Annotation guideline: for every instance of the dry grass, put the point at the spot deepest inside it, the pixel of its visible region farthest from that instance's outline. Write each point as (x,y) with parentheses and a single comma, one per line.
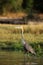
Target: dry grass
(32,32)
(31,28)
(36,28)
(13,15)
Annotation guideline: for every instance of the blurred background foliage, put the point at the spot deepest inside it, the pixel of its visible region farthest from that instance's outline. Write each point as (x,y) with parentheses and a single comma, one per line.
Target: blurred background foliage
(21,5)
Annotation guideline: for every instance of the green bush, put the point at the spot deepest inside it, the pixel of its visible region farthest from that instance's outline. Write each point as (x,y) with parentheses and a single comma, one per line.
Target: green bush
(17,46)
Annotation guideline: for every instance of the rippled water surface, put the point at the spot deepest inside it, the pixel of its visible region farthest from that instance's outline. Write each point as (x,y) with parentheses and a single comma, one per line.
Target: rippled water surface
(18,58)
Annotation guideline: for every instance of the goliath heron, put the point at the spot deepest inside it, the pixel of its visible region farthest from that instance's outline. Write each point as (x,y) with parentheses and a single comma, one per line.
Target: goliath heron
(27,47)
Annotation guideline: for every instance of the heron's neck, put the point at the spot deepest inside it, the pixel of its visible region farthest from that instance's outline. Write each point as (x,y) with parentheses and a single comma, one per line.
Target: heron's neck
(22,36)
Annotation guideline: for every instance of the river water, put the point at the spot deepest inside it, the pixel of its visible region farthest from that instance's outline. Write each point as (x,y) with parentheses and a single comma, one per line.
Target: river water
(18,58)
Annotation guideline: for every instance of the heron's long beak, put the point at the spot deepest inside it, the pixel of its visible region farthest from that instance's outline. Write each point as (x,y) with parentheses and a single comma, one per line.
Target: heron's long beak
(20,27)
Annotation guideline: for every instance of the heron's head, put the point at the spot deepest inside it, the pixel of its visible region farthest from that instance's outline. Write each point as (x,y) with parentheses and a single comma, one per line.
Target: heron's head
(20,28)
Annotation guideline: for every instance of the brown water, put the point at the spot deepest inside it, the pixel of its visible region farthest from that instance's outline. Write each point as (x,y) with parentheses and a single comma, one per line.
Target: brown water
(18,58)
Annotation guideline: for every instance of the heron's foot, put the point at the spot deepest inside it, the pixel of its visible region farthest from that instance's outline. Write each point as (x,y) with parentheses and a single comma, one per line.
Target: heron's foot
(28,56)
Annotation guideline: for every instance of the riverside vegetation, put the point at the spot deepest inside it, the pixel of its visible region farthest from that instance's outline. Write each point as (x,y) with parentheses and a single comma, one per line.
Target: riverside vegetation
(10,38)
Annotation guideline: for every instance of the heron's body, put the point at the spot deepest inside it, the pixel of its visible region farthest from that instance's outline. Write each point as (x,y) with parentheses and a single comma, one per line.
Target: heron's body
(27,47)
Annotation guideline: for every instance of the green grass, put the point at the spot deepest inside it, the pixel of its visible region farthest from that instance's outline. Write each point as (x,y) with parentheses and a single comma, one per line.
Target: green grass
(12,37)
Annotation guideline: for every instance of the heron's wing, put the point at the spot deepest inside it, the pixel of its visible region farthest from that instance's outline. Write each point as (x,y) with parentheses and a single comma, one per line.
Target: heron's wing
(29,48)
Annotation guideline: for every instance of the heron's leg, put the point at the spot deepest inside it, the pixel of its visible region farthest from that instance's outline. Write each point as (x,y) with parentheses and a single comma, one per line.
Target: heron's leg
(24,58)
(28,57)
